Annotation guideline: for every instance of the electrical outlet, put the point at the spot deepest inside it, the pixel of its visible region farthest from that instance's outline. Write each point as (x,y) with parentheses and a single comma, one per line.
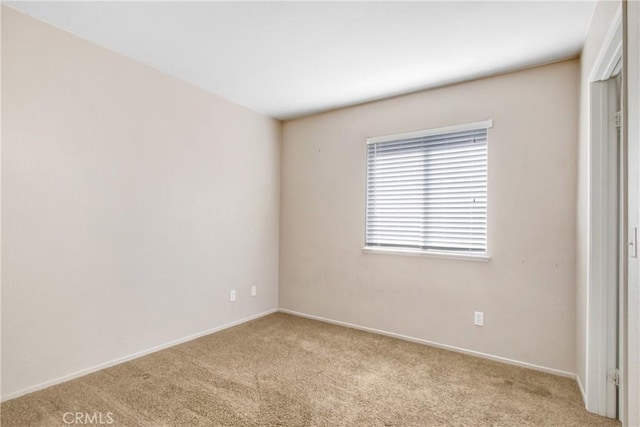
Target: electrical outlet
(232,295)
(254,291)
(478,318)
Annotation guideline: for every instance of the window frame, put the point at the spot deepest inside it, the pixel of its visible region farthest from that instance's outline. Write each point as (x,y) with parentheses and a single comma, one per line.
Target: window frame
(456,255)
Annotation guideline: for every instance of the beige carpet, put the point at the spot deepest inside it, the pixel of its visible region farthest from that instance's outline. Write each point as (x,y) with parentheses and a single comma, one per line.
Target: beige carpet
(285,370)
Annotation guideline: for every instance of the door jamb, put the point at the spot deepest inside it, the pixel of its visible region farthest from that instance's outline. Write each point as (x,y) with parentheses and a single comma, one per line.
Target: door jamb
(598,308)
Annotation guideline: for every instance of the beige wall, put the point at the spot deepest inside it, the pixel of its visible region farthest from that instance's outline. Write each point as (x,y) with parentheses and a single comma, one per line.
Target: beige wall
(600,23)
(132,204)
(527,290)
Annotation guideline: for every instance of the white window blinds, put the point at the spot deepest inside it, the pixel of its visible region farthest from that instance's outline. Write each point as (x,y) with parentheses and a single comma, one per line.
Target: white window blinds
(427,190)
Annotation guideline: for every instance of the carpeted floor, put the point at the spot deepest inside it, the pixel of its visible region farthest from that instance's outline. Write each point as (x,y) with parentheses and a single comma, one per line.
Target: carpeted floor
(285,370)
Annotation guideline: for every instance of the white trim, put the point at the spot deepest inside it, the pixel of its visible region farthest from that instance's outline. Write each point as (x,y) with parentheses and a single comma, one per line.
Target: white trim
(610,51)
(630,295)
(595,381)
(127,358)
(434,344)
(485,124)
(426,253)
(581,388)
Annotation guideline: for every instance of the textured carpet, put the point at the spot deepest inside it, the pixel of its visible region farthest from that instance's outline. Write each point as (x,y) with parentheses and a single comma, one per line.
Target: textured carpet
(285,370)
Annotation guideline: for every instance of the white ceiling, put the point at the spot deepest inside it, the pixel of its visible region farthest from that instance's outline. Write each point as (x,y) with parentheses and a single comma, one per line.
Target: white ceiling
(287,59)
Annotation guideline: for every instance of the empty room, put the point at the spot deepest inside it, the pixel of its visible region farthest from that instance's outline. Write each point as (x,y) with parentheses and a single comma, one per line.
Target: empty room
(320,213)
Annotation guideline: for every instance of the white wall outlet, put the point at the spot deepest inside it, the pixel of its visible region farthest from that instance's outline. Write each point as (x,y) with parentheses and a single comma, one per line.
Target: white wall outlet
(254,290)
(478,318)
(232,295)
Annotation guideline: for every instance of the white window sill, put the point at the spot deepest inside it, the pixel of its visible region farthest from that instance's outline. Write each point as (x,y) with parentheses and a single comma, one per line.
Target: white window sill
(432,254)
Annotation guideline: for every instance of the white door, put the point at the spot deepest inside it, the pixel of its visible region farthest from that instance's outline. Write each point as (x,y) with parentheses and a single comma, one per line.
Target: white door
(604,246)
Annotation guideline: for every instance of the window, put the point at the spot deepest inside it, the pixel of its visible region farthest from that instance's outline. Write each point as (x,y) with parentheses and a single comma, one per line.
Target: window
(427,190)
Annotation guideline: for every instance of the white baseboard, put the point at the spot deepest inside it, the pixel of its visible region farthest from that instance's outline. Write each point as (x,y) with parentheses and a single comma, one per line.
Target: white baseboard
(584,395)
(127,358)
(123,359)
(435,344)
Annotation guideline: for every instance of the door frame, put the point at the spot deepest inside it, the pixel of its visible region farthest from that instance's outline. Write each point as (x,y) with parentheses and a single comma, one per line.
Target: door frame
(630,298)
(603,319)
